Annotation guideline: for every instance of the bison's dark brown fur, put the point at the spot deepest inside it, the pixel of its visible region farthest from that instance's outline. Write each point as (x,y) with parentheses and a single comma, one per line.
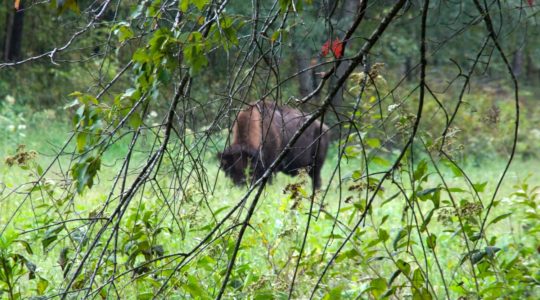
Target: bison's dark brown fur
(261,131)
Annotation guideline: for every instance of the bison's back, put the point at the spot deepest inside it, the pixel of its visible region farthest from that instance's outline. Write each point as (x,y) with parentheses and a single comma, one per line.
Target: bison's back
(255,129)
(311,146)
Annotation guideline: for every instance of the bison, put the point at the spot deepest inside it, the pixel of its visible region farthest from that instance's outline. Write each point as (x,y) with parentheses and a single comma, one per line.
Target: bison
(261,131)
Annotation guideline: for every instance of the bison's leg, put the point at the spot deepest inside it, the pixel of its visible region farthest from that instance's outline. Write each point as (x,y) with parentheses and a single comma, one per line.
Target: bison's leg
(315,174)
(258,171)
(318,161)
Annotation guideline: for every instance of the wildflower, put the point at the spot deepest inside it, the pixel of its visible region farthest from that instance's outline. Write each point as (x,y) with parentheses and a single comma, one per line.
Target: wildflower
(10,99)
(392,107)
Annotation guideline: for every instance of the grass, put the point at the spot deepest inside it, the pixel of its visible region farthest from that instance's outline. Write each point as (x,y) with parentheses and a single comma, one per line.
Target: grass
(271,245)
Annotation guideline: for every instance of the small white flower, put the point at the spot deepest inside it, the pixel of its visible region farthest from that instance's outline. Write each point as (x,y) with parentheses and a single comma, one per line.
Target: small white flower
(10,99)
(153,114)
(392,107)
(21,127)
(12,128)
(535,133)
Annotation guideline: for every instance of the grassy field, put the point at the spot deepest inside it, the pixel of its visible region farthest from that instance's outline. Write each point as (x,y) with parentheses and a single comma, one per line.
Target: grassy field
(406,247)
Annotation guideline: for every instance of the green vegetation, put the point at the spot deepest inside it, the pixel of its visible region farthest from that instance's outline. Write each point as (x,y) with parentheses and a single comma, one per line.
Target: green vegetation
(384,257)
(112,112)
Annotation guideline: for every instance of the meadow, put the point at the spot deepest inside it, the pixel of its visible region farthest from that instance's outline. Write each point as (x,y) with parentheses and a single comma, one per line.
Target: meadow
(421,239)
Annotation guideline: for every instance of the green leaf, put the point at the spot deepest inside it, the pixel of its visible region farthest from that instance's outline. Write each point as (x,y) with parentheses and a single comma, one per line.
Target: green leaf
(475,236)
(63,5)
(199,3)
(26,245)
(334,293)
(380,161)
(123,31)
(195,289)
(81,141)
(477,256)
(373,142)
(432,241)
(349,254)
(403,266)
(263,295)
(84,172)
(41,286)
(39,170)
(500,218)
(377,287)
(390,198)
(480,187)
(145,296)
(455,170)
(275,35)
(184,4)
(389,292)
(8,238)
(426,192)
(491,250)
(403,232)
(427,219)
(351,151)
(193,51)
(284,5)
(135,120)
(394,276)
(383,235)
(418,278)
(141,56)
(420,171)
(29,265)
(385,217)
(164,76)
(357,174)
(421,294)
(51,235)
(436,198)
(456,190)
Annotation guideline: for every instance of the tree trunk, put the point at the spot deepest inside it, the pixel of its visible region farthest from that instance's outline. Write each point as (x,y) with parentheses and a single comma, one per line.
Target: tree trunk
(347,13)
(306,79)
(517,62)
(13,34)
(407,69)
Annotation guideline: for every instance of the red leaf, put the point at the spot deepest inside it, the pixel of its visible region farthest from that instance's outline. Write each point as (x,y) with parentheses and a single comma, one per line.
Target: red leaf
(337,48)
(325,48)
(531,2)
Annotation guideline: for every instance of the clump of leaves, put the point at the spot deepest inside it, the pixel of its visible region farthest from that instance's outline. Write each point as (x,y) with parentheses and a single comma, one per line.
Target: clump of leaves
(449,143)
(493,115)
(21,158)
(296,192)
(373,78)
(469,209)
(13,264)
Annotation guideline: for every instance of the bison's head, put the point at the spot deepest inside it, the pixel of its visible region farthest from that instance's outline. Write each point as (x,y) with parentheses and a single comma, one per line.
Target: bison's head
(238,163)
